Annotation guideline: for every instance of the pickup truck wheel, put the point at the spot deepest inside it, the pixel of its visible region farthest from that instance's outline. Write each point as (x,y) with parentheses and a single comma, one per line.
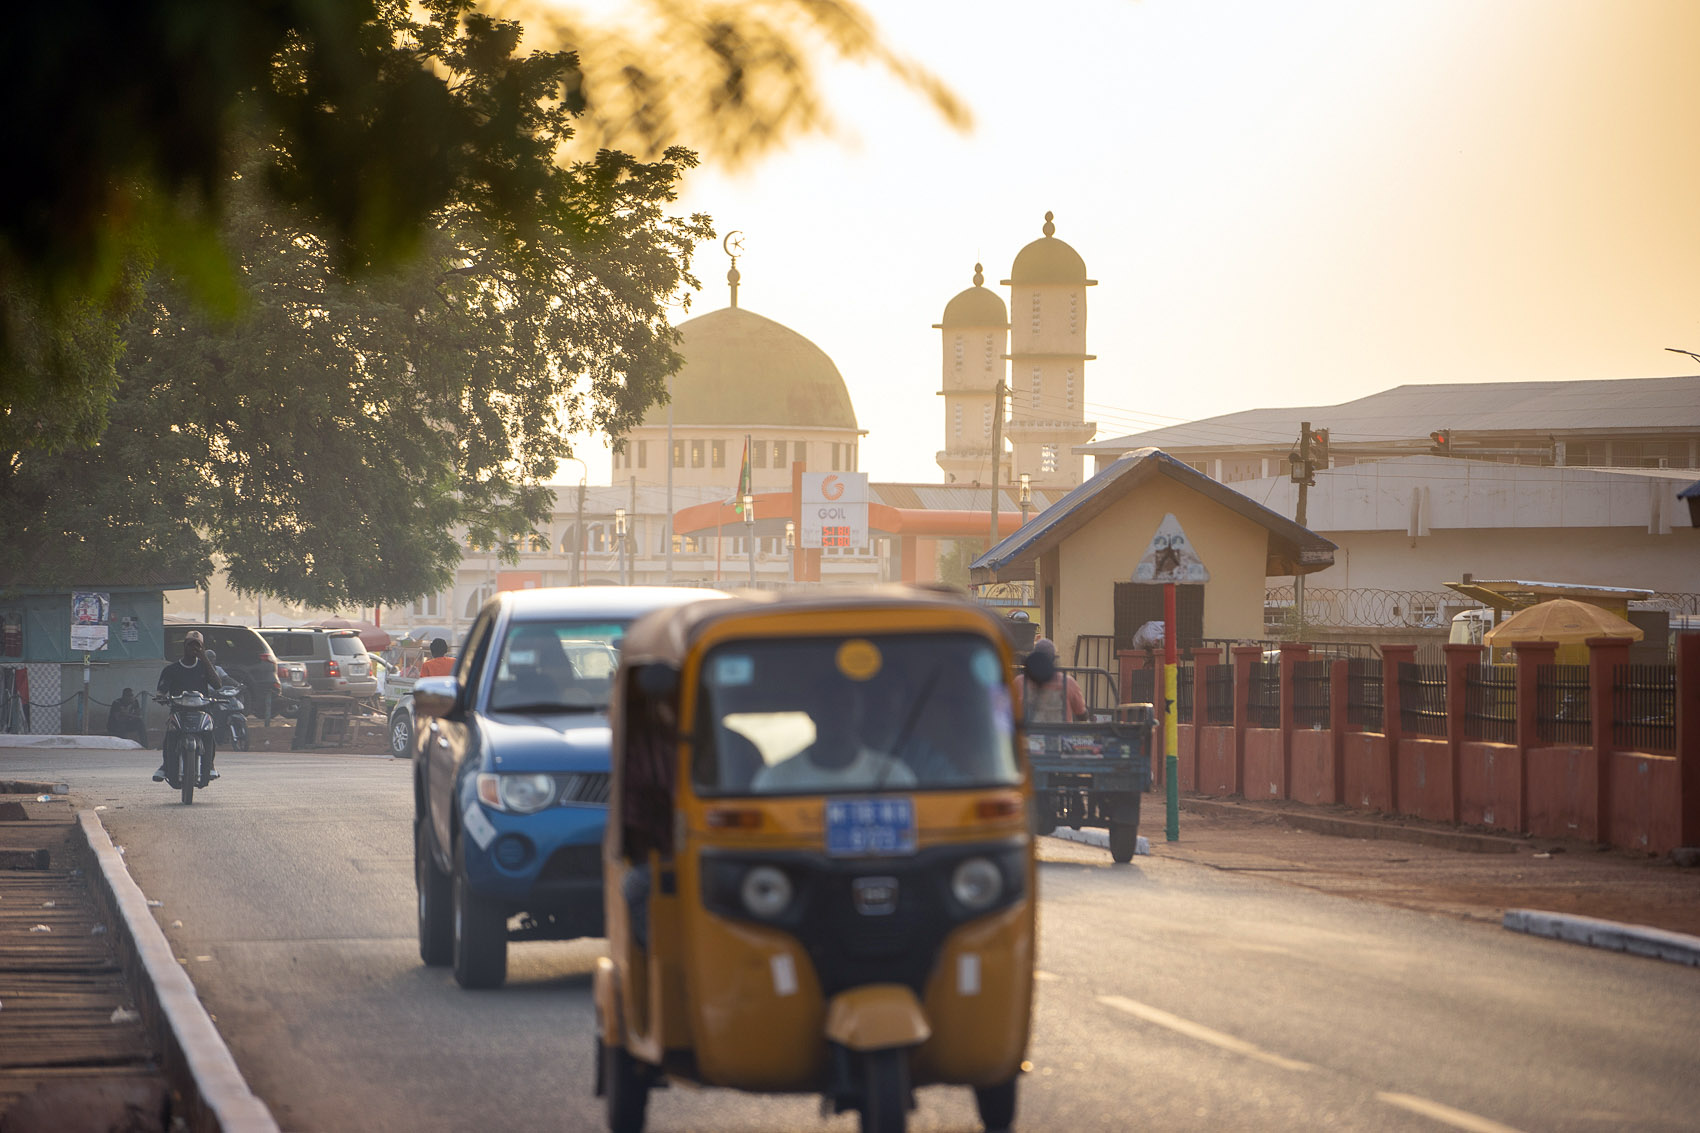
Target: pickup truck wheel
(996,1105)
(436,928)
(625,1088)
(480,936)
(401,735)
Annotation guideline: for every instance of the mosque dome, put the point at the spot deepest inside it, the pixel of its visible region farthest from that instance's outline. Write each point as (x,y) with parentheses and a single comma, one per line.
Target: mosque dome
(1048,260)
(741,369)
(976,307)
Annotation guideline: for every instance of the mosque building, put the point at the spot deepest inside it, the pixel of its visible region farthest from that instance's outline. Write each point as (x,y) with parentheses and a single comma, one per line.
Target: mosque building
(668,517)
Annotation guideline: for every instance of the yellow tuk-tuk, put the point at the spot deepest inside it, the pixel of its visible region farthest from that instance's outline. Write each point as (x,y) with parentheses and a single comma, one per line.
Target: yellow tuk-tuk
(818,868)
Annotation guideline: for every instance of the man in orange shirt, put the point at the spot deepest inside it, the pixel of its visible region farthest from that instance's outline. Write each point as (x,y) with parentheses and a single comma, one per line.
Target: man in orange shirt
(439,664)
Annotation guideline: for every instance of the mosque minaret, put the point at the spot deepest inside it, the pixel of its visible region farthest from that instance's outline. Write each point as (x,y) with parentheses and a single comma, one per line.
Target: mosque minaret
(1047,361)
(976,339)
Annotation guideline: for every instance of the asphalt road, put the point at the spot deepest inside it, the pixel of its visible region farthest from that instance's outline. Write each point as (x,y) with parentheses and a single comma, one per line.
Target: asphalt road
(1171,996)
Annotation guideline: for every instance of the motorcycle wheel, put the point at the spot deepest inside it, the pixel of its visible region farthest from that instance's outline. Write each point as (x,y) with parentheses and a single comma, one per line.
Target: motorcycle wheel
(188,767)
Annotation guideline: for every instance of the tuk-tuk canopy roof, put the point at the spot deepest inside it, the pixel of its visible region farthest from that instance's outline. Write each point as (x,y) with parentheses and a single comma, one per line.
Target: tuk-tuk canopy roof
(666,635)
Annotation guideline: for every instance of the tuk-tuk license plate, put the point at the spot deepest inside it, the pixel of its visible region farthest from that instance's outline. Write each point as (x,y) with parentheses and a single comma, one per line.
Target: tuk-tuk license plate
(859,827)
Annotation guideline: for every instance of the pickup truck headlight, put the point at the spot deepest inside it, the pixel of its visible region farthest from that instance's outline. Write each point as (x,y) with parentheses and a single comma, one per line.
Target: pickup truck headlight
(519,794)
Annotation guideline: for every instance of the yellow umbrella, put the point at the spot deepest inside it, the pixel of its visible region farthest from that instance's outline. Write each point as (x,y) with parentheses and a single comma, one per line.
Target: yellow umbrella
(1564,621)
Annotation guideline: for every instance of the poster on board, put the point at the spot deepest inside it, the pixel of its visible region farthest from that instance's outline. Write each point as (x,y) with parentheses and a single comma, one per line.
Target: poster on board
(89,613)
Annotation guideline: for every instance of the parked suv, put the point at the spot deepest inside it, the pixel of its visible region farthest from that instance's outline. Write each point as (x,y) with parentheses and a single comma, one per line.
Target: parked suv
(335,658)
(242,653)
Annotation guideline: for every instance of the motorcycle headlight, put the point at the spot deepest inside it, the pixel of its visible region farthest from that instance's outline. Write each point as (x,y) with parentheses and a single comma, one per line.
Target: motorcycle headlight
(976,883)
(520,794)
(766,891)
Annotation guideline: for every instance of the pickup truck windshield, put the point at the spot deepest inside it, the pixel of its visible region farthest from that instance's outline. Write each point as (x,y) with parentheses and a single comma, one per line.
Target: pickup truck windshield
(557,666)
(822,715)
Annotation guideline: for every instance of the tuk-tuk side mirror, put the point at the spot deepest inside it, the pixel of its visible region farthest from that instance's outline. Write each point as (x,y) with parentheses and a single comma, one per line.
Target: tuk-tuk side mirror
(435,696)
(658,680)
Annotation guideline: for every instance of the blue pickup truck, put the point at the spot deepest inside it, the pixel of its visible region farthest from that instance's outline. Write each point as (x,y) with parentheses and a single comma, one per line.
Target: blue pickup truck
(510,775)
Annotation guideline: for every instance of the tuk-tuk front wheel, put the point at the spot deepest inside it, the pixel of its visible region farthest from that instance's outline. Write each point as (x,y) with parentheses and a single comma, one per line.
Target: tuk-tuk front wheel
(625,1087)
(885,1091)
(996,1105)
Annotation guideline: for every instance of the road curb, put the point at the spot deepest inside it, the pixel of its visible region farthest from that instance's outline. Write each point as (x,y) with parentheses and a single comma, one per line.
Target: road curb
(1657,943)
(197,1064)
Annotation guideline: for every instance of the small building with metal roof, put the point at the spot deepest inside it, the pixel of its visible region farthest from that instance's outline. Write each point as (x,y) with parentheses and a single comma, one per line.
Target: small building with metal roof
(1081,551)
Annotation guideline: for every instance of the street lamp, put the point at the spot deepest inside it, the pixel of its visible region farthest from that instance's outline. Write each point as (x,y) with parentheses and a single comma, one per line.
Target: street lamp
(1026,497)
(791,547)
(620,534)
(578,526)
(750,533)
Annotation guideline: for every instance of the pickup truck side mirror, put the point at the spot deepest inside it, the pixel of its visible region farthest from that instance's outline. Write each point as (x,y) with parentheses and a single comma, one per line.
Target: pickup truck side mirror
(435,696)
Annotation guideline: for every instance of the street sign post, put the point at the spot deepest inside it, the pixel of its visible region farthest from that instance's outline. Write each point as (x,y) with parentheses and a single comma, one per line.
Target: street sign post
(1169,559)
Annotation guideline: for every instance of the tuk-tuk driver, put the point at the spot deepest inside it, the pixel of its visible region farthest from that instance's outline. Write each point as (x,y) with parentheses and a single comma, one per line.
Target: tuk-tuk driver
(840,756)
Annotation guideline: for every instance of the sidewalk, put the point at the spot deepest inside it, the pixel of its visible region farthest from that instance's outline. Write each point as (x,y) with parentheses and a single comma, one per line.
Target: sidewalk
(1476,875)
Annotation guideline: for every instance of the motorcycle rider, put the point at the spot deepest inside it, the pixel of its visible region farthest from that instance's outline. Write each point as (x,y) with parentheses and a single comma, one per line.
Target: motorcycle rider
(193,673)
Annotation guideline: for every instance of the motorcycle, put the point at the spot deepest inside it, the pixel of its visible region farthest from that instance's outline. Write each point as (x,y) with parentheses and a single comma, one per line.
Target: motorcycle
(189,742)
(230,720)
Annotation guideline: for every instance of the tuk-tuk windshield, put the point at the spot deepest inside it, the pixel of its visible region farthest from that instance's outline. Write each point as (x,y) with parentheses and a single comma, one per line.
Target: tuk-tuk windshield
(788,716)
(557,666)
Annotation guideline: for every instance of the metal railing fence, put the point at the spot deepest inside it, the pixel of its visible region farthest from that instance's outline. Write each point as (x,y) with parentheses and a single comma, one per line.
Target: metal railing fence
(1422,699)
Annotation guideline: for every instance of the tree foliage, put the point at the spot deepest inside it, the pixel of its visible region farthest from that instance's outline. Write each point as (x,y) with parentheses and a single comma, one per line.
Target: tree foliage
(324,442)
(127,119)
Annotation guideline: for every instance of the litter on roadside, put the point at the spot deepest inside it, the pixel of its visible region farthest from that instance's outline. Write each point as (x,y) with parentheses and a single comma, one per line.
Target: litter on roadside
(125,1015)
(41,928)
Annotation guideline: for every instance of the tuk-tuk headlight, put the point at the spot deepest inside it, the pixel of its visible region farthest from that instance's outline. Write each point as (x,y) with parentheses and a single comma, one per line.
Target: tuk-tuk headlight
(766,891)
(976,884)
(519,794)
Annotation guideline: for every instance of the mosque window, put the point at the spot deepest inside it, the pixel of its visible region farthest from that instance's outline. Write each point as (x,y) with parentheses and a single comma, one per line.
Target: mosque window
(643,454)
(696,454)
(430,606)
(758,454)
(1035,312)
(986,421)
(678,454)
(835,455)
(799,451)
(718,454)
(959,353)
(1038,389)
(956,422)
(990,353)
(779,454)
(1047,458)
(1073,311)
(1071,387)
(537,543)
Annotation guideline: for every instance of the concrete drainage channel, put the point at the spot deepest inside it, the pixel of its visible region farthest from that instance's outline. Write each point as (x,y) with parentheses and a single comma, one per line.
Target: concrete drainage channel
(202,1073)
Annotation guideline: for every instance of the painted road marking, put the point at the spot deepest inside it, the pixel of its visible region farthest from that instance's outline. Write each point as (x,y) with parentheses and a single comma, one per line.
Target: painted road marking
(1200,1032)
(1445,1114)
(1434,1111)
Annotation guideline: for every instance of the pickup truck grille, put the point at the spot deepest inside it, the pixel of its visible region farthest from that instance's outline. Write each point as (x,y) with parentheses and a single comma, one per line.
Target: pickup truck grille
(585,787)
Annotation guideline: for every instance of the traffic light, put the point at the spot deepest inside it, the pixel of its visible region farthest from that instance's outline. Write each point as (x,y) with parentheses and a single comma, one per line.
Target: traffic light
(1442,439)
(1319,448)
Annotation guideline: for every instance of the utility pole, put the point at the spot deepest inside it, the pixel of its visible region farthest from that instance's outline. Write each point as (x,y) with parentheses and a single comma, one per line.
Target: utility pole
(1304,475)
(997,456)
(578,535)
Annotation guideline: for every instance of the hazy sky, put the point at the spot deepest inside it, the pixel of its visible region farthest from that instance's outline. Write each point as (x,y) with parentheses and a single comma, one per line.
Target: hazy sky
(1284,203)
